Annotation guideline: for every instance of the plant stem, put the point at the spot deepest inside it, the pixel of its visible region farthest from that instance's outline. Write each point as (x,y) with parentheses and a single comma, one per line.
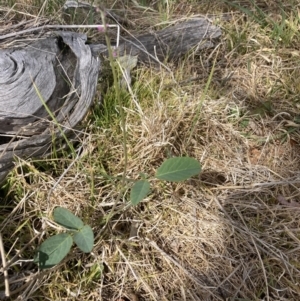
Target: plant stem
(122,114)
(196,117)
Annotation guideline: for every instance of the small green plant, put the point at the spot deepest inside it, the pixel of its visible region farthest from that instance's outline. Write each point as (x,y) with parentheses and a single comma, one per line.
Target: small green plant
(54,249)
(173,169)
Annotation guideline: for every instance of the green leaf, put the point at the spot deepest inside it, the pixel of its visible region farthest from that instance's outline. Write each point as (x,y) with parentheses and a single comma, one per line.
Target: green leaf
(84,239)
(139,191)
(178,169)
(53,250)
(67,219)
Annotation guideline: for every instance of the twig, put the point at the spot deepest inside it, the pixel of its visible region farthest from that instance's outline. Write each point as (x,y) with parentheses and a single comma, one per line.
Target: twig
(6,282)
(13,34)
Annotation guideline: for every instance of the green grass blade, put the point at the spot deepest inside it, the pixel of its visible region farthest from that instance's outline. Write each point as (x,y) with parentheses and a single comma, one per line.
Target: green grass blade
(198,110)
(53,118)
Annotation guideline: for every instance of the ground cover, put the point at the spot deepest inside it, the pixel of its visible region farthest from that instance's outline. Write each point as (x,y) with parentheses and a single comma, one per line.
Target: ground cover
(232,233)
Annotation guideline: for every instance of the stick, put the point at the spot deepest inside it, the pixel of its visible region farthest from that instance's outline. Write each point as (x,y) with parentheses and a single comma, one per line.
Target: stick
(6,282)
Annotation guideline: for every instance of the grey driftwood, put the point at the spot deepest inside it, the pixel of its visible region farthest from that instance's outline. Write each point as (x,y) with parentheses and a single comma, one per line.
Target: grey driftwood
(48,79)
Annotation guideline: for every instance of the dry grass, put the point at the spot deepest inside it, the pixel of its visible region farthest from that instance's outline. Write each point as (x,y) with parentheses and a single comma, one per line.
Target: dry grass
(230,234)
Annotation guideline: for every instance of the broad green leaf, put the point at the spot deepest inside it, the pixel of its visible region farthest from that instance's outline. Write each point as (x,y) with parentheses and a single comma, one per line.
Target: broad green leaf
(139,191)
(53,250)
(178,169)
(84,239)
(67,219)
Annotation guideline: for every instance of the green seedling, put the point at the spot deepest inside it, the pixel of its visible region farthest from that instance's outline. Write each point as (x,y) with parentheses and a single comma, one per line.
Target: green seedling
(174,170)
(54,249)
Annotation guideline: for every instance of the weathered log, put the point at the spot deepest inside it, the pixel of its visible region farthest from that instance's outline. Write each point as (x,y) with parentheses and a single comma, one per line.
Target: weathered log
(55,74)
(48,81)
(172,42)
